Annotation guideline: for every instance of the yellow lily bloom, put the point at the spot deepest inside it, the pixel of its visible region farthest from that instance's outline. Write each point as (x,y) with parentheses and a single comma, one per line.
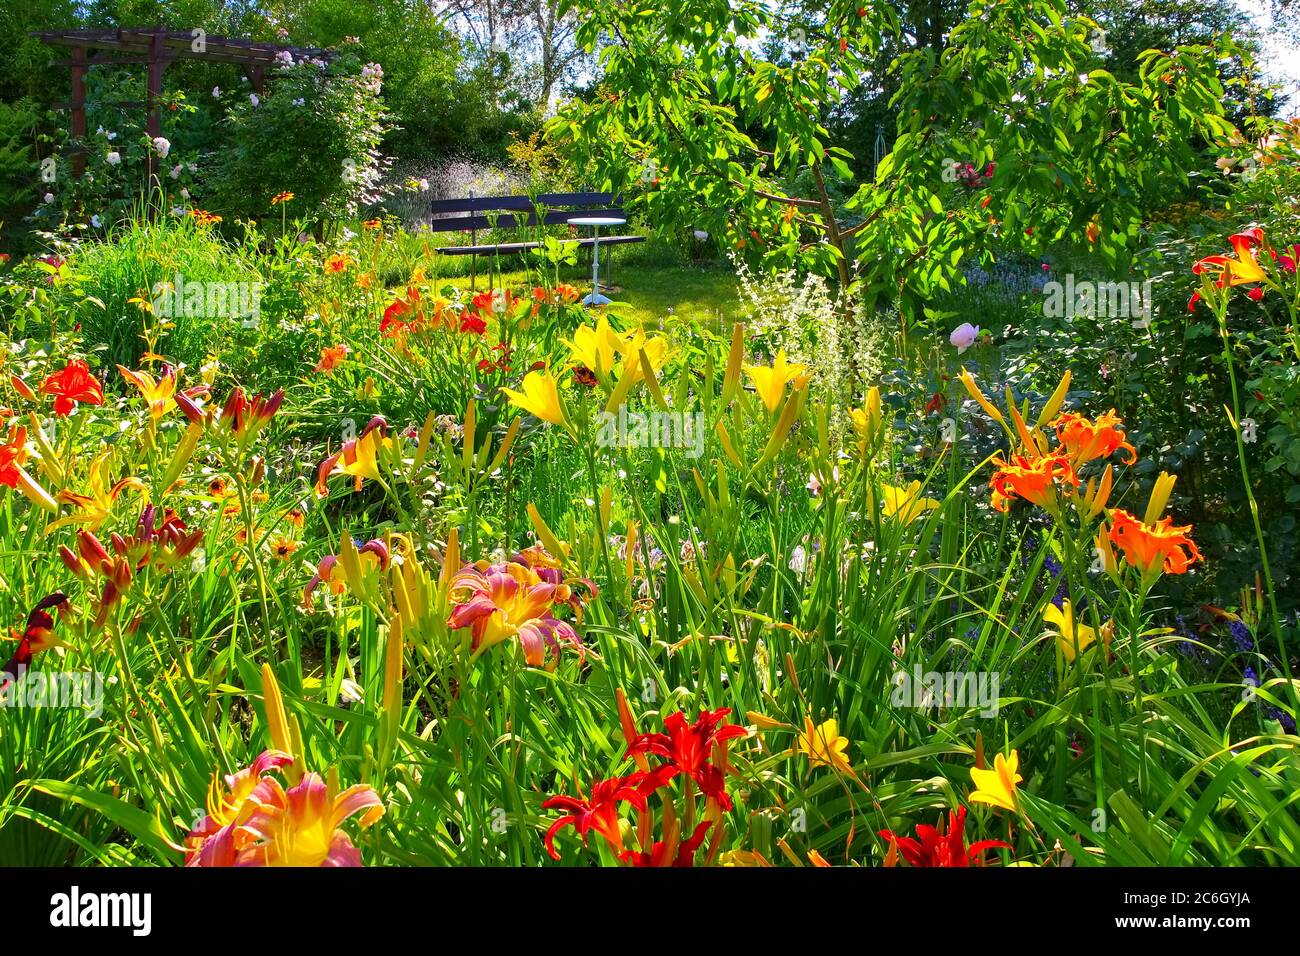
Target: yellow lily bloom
(823,745)
(596,348)
(905,504)
(997,787)
(770,381)
(540,397)
(868,421)
(1074,638)
(94,508)
(157,393)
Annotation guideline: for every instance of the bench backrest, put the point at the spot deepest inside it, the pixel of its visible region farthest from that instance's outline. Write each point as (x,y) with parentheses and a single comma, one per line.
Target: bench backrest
(512,212)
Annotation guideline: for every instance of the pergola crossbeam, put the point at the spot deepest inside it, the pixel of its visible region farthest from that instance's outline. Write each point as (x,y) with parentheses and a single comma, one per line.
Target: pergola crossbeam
(154,48)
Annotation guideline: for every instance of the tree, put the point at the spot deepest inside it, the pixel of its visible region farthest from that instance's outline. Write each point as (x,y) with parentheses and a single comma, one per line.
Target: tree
(1074,151)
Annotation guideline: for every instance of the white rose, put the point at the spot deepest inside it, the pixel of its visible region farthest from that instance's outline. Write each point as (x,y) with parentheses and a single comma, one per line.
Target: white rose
(216,92)
(185,194)
(161,146)
(49,198)
(253,98)
(113,158)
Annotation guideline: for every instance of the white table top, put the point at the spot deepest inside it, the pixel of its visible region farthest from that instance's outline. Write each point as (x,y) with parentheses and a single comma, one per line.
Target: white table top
(597,221)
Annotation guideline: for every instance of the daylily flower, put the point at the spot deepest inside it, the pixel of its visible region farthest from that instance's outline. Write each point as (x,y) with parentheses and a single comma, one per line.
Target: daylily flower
(157,393)
(933,847)
(770,381)
(599,812)
(94,508)
(1153,547)
(1242,268)
(281,197)
(300,826)
(695,749)
(1085,440)
(217,839)
(905,503)
(358,457)
(337,262)
(997,787)
(823,745)
(330,358)
(38,635)
(868,421)
(1033,479)
(1074,638)
(668,852)
(964,336)
(13,455)
(511,600)
(540,397)
(72,385)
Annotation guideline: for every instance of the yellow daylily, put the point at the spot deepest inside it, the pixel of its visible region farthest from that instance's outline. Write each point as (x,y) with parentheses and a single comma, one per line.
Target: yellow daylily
(997,787)
(1074,638)
(540,397)
(823,745)
(770,381)
(93,508)
(905,504)
(157,393)
(868,421)
(596,348)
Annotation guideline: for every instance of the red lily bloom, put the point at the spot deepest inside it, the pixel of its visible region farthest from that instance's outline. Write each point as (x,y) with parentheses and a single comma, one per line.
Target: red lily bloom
(934,847)
(72,385)
(689,747)
(658,855)
(36,637)
(472,323)
(599,812)
(246,417)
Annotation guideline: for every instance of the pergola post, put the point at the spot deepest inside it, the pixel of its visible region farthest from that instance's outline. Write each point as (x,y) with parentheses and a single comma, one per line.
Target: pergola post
(78,106)
(153,99)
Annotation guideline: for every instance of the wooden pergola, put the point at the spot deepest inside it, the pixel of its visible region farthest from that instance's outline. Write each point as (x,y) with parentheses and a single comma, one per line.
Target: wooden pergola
(155,47)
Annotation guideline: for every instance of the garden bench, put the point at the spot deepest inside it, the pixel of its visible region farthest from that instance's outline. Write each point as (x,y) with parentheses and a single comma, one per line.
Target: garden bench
(517,212)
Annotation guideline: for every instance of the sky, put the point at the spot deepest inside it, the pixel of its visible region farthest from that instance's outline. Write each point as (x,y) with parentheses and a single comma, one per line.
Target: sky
(1281,57)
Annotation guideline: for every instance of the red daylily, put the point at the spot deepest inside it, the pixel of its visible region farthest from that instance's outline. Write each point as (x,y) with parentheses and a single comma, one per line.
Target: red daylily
(599,812)
(688,748)
(37,636)
(933,847)
(660,853)
(72,385)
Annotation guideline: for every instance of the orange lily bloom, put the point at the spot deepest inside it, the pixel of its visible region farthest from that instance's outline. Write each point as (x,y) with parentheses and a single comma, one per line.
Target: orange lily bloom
(1033,479)
(1152,548)
(1085,440)
(330,358)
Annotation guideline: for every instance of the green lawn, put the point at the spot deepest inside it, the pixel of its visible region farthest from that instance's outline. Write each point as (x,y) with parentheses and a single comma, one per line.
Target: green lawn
(650,294)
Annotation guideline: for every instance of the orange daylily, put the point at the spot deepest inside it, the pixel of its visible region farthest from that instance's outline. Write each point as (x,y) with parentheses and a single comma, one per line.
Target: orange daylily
(330,358)
(1031,478)
(1084,440)
(1153,547)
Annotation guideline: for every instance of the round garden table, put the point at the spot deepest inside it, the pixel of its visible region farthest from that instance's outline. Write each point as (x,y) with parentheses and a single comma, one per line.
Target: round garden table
(595,222)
